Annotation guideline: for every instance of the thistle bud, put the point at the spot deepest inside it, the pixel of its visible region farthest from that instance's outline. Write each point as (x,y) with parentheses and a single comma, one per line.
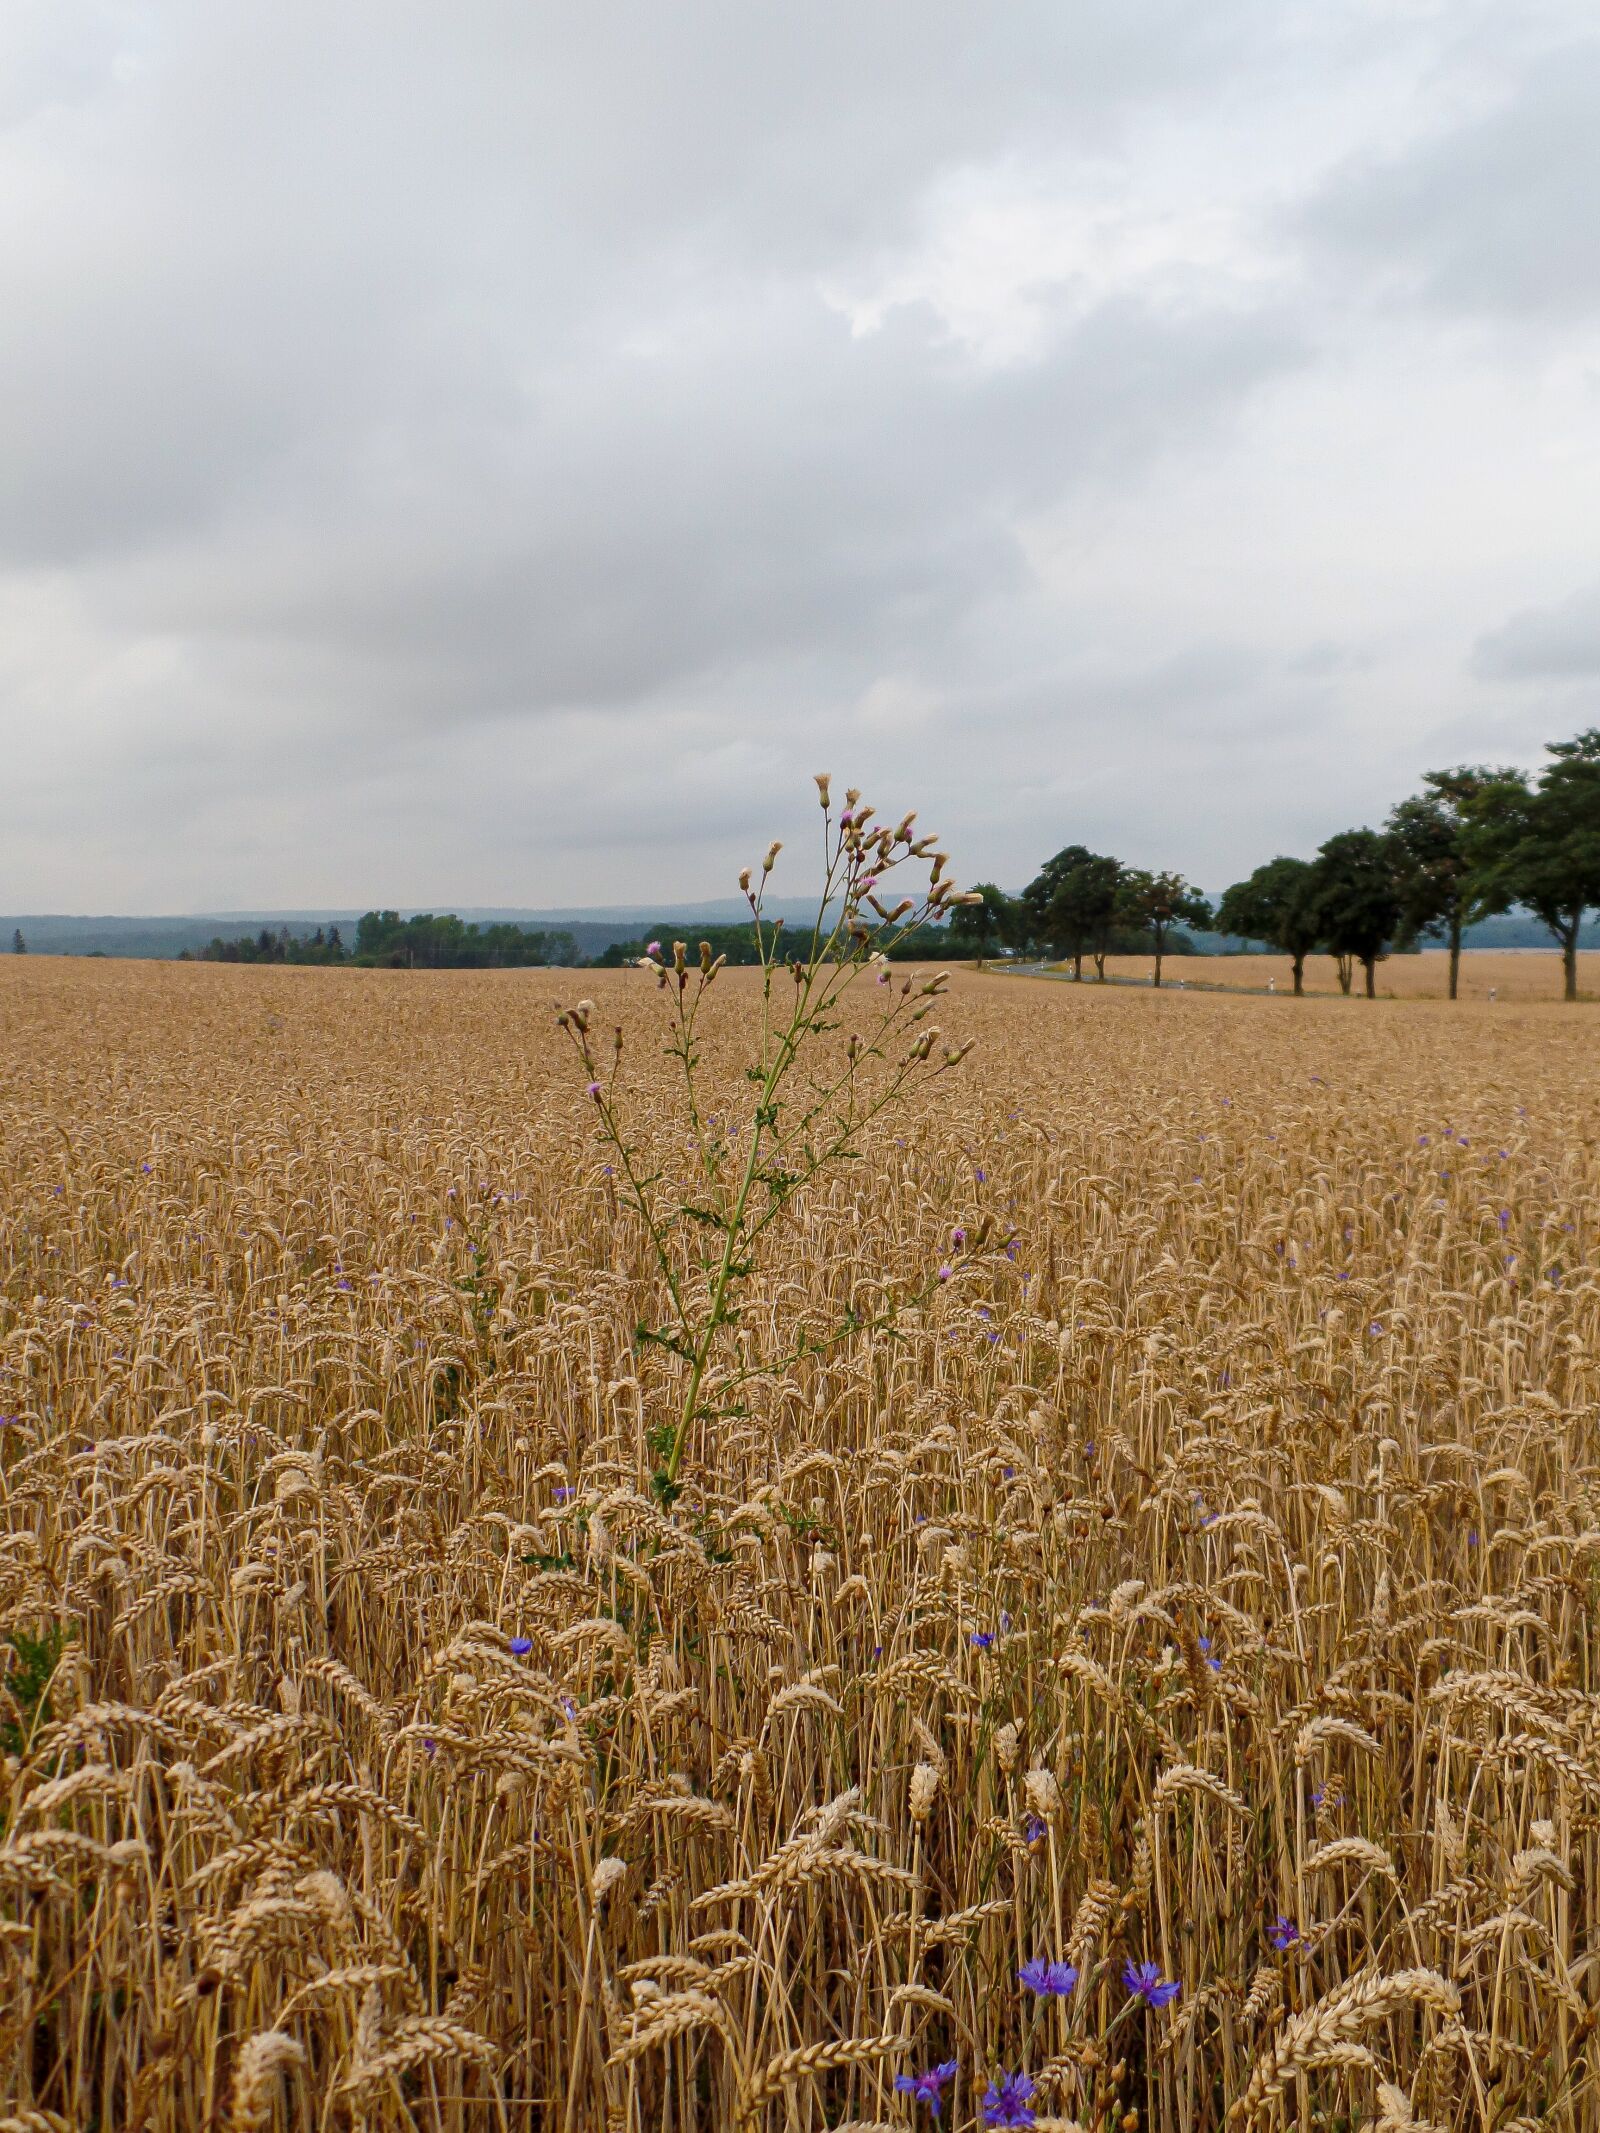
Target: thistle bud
(744,879)
(705,959)
(771,860)
(822,777)
(680,952)
(852,793)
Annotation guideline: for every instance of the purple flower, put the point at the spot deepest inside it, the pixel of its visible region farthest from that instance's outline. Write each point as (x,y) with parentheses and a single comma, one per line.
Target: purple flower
(1033,1830)
(1145,1982)
(1283,1933)
(562,1494)
(594,1090)
(1048,1979)
(944,1273)
(1005,2101)
(958,1237)
(981,1639)
(519,1647)
(1205,1646)
(652,947)
(926,2087)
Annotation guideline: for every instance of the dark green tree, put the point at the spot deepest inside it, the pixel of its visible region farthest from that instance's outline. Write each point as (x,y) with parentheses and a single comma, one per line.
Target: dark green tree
(1155,903)
(980,929)
(1355,894)
(18,945)
(1275,905)
(1442,892)
(1541,847)
(1070,906)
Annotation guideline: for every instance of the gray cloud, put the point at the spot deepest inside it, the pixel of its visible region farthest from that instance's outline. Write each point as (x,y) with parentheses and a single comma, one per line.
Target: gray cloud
(1498,213)
(1559,643)
(494,454)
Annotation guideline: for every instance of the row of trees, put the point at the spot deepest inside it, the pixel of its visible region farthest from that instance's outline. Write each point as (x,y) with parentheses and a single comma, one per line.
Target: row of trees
(386,941)
(1472,843)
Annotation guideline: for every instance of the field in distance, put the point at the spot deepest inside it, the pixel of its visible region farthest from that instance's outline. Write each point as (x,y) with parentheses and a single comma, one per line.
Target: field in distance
(1200,1591)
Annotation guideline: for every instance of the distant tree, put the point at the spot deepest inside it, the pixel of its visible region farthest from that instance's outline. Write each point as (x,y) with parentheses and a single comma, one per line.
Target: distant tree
(1155,903)
(18,945)
(335,942)
(1441,891)
(1274,905)
(1541,847)
(981,929)
(1355,894)
(1070,906)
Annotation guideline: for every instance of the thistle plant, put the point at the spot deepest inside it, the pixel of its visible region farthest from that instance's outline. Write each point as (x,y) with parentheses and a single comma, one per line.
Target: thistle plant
(816,1088)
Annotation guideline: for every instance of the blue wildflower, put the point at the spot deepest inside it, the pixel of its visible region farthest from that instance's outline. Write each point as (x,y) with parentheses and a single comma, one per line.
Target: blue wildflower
(519,1647)
(1005,2101)
(1283,1933)
(1145,1982)
(926,2087)
(1052,1980)
(982,1639)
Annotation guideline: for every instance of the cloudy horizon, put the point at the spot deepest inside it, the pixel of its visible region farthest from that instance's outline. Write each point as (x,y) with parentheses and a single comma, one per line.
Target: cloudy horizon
(493,456)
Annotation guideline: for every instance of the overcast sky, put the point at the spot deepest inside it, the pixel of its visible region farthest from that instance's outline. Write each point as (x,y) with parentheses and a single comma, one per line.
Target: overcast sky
(493,453)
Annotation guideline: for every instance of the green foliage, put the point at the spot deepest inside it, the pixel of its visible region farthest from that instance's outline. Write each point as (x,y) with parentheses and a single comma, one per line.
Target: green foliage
(26,1688)
(985,926)
(1541,847)
(1155,903)
(1275,905)
(1355,895)
(1070,906)
(427,942)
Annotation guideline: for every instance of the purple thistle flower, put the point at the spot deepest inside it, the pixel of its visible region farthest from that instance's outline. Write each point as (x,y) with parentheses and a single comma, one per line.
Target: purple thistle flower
(1145,1982)
(595,1091)
(1283,1933)
(1048,1979)
(1005,2101)
(944,1273)
(519,1647)
(926,2087)
(652,947)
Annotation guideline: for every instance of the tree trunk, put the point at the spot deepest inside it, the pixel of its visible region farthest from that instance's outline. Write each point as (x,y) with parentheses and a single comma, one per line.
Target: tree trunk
(1299,976)
(1370,963)
(1100,964)
(1347,971)
(1455,957)
(1077,967)
(1160,943)
(1569,957)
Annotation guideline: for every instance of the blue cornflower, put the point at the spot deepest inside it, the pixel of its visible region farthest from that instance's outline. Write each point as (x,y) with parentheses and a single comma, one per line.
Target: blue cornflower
(1145,1982)
(1054,1980)
(1283,1933)
(519,1647)
(561,1495)
(981,1639)
(926,2087)
(1205,1646)
(1005,2101)
(1034,1829)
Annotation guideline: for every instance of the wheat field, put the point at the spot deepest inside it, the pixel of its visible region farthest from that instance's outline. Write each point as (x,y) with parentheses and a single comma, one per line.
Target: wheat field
(1206,1579)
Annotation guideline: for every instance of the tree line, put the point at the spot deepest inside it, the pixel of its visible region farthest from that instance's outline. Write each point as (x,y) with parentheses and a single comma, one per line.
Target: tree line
(386,941)
(1472,843)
